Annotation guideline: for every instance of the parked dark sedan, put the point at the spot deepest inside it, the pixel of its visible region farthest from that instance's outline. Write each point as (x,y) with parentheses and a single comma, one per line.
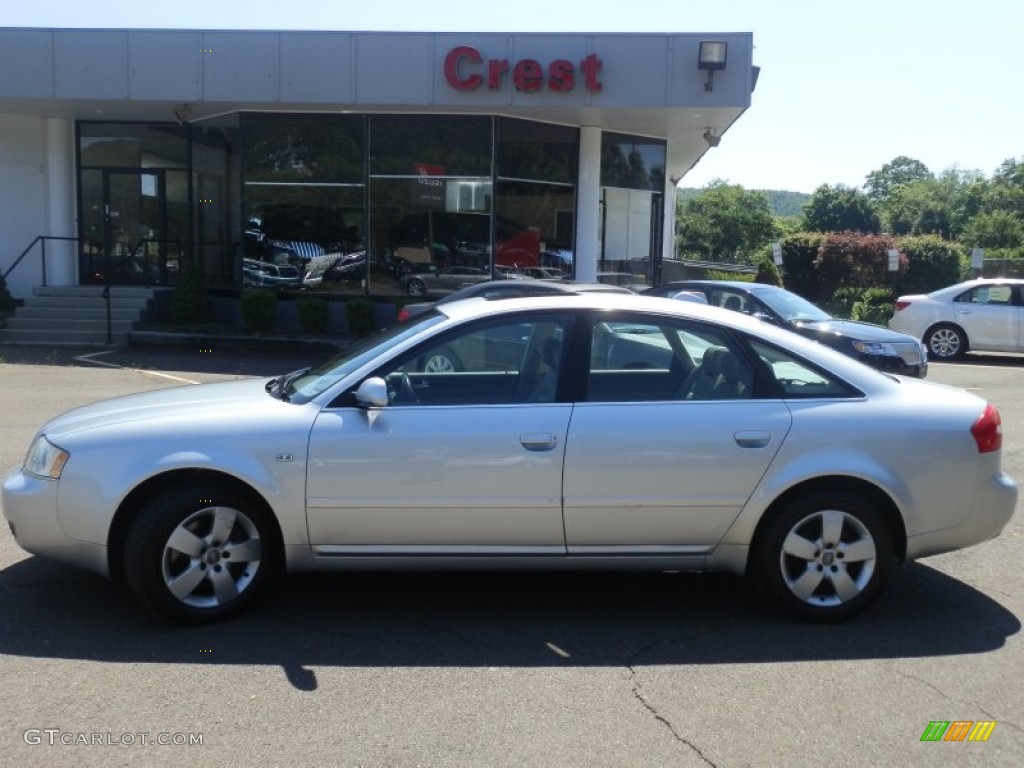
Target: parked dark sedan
(875,345)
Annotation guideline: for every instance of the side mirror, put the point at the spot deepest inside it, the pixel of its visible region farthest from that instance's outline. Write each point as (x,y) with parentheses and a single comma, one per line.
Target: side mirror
(373,393)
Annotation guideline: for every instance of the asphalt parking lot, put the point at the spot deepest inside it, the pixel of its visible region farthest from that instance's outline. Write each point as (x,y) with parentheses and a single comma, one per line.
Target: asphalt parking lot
(503,669)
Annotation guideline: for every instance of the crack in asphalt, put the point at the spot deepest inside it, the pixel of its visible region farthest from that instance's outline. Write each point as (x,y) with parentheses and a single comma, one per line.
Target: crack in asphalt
(664,720)
(955,700)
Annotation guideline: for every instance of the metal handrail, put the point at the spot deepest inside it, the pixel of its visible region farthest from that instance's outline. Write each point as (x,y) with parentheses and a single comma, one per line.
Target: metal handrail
(37,239)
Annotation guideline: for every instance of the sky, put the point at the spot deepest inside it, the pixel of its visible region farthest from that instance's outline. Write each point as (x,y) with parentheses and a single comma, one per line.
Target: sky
(845,87)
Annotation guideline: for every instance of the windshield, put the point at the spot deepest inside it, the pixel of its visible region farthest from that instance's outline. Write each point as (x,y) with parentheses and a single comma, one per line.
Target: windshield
(792,308)
(312,382)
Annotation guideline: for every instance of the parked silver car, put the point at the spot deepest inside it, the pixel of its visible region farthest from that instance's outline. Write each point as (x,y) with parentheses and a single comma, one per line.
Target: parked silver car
(593,430)
(984,315)
(436,282)
(263,274)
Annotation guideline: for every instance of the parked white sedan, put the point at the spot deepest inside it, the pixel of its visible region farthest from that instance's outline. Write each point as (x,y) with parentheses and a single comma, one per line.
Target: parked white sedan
(580,431)
(985,315)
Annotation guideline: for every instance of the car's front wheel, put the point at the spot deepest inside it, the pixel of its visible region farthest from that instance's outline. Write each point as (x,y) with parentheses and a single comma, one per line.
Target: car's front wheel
(945,342)
(825,556)
(416,287)
(198,554)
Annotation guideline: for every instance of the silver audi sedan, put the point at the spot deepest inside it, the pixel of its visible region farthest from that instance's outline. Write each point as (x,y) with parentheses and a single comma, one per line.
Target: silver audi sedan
(579,431)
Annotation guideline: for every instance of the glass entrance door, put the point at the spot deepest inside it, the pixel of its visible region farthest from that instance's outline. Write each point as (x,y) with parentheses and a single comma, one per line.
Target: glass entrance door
(134,215)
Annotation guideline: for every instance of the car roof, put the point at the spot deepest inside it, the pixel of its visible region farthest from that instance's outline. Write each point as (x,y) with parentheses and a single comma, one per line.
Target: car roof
(968,284)
(739,284)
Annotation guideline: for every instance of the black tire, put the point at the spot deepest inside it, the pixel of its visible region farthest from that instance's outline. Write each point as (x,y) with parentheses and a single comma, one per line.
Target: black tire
(824,580)
(416,287)
(442,360)
(945,342)
(225,553)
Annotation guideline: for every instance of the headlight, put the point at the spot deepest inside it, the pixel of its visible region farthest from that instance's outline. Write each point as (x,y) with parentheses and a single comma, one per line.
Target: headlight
(875,348)
(45,459)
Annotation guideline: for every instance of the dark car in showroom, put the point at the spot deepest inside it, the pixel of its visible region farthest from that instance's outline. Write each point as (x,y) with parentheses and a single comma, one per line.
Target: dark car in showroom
(875,345)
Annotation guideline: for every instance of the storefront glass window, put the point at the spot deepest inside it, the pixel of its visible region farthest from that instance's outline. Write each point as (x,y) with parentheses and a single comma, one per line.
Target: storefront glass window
(430,203)
(304,198)
(402,145)
(632,162)
(534,227)
(131,145)
(537,151)
(632,195)
(535,207)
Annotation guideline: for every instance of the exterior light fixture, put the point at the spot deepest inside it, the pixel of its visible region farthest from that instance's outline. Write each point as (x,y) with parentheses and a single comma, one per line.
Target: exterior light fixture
(712,56)
(712,139)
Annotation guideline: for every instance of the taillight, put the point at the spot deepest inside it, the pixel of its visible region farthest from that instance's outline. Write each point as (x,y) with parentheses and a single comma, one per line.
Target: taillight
(403,315)
(902,305)
(988,430)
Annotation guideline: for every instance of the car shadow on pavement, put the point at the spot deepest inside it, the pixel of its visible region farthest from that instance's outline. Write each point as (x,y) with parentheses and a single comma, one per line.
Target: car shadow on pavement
(490,620)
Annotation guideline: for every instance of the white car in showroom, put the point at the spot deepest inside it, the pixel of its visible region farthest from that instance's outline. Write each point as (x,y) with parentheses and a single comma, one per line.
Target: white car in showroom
(589,430)
(984,315)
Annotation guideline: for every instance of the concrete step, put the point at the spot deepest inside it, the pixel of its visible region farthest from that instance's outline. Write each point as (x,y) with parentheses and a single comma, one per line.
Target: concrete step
(55,324)
(62,315)
(62,338)
(116,291)
(87,302)
(79,313)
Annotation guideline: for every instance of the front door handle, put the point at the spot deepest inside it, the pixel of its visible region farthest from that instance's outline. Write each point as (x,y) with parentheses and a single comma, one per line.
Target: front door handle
(539,441)
(752,439)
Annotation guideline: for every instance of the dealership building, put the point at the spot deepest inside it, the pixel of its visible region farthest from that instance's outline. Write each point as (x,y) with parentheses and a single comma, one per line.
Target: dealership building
(127,154)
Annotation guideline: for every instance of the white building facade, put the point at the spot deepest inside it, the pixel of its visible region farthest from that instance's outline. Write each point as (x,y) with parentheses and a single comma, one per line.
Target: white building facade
(126,154)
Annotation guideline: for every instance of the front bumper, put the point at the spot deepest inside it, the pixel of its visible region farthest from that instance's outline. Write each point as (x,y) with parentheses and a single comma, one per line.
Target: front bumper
(30,506)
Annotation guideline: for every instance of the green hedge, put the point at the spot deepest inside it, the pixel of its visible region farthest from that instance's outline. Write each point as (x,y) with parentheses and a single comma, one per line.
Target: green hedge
(932,263)
(313,314)
(259,310)
(359,313)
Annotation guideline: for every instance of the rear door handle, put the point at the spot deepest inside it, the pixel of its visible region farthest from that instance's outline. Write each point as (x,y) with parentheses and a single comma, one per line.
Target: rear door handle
(539,441)
(752,439)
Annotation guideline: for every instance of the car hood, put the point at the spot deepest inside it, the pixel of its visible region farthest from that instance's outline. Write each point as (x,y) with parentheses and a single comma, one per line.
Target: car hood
(852,329)
(202,401)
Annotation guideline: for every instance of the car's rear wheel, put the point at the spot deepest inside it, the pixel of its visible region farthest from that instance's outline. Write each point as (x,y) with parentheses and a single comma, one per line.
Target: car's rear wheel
(198,554)
(416,287)
(945,342)
(824,557)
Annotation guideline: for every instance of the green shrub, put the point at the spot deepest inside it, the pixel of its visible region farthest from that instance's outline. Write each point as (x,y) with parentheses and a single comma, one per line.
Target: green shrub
(720,274)
(189,302)
(313,314)
(359,313)
(798,254)
(842,301)
(875,306)
(852,259)
(259,310)
(768,273)
(932,263)
(6,300)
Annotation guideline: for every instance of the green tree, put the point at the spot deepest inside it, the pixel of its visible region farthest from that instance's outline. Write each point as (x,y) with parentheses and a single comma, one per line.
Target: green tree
(840,209)
(994,229)
(1006,190)
(902,170)
(724,221)
(941,205)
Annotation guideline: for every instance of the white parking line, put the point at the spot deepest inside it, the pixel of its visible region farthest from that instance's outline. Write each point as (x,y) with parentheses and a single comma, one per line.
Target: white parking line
(89,359)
